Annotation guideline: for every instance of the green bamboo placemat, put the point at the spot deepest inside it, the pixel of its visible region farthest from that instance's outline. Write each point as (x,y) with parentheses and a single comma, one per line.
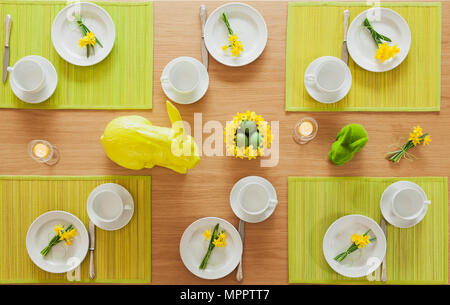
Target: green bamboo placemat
(122,256)
(123,80)
(417,255)
(316,29)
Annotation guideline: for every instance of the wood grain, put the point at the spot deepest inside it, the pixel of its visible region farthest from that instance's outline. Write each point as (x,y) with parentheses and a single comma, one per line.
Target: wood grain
(178,200)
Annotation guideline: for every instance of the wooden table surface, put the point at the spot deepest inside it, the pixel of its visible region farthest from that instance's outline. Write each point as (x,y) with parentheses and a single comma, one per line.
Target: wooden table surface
(178,200)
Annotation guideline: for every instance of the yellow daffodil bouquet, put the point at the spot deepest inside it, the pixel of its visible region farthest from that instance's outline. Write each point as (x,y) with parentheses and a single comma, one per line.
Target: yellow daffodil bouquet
(247,136)
(384,51)
(234,45)
(216,239)
(61,233)
(415,138)
(358,241)
(89,40)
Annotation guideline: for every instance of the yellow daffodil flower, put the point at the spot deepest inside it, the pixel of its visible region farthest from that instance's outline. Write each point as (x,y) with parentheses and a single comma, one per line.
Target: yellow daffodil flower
(385,52)
(414,138)
(82,42)
(207,234)
(418,130)
(90,37)
(58,229)
(426,140)
(361,240)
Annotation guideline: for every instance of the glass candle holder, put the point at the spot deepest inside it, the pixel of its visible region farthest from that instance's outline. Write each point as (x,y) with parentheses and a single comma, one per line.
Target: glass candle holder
(305,130)
(43,152)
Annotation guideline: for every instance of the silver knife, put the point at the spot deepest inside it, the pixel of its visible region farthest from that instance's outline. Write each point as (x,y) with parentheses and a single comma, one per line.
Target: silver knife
(6,53)
(344,43)
(383,264)
(239,274)
(91,249)
(204,50)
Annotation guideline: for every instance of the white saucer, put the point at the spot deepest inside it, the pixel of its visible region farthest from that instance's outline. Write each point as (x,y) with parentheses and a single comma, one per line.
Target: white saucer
(127,199)
(51,80)
(222,261)
(323,97)
(194,96)
(386,205)
(246,22)
(234,197)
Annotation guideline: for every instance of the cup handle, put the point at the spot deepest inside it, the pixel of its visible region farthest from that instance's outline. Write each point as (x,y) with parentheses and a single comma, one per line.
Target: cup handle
(427,202)
(273,203)
(310,78)
(9,69)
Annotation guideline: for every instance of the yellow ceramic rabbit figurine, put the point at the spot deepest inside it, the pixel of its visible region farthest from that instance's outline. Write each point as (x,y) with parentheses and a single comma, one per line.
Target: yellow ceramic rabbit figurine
(134,143)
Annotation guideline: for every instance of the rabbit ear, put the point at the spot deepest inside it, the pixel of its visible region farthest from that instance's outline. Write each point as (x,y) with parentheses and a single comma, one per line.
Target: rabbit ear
(347,136)
(175,118)
(358,144)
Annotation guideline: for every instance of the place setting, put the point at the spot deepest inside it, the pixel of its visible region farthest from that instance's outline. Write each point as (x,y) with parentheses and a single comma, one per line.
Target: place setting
(211,247)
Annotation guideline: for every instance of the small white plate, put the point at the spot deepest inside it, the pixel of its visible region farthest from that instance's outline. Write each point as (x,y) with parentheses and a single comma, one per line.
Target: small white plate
(246,22)
(126,216)
(222,261)
(337,239)
(51,80)
(234,199)
(61,258)
(386,205)
(320,96)
(66,33)
(362,47)
(188,98)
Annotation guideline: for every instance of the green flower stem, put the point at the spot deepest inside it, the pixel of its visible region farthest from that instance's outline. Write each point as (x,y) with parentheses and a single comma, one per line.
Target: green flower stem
(54,241)
(375,35)
(210,248)
(225,19)
(399,154)
(353,247)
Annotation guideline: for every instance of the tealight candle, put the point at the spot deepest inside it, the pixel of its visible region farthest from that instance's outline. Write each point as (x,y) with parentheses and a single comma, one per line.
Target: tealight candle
(43,152)
(305,130)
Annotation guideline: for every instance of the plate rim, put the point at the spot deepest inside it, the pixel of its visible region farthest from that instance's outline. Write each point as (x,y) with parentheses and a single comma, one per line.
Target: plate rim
(340,219)
(75,62)
(350,44)
(235,235)
(258,53)
(84,232)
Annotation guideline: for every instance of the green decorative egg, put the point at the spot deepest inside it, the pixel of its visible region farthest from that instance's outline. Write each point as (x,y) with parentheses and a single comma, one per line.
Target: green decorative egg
(254,139)
(248,126)
(241,139)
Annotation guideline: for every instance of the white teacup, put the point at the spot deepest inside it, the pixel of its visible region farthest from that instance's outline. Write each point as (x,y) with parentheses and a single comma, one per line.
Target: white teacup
(330,75)
(409,203)
(183,76)
(108,206)
(254,199)
(28,75)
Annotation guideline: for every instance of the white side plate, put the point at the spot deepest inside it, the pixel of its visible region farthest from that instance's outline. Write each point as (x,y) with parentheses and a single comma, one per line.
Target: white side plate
(362,47)
(61,258)
(246,22)
(337,239)
(66,33)
(193,248)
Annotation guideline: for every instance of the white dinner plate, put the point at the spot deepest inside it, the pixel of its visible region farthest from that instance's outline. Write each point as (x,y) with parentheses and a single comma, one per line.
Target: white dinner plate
(247,23)
(66,33)
(362,47)
(222,261)
(234,199)
(386,205)
(126,216)
(363,261)
(187,98)
(51,80)
(61,258)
